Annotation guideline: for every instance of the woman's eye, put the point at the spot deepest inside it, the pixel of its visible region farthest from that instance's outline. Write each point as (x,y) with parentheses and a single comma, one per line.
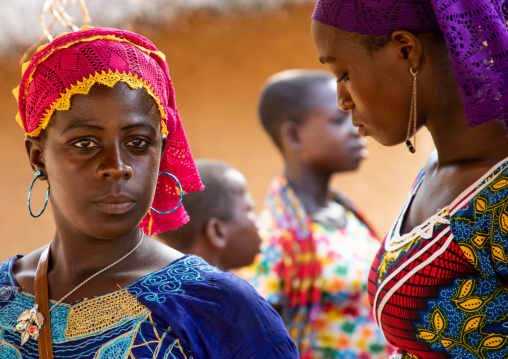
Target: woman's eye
(85,144)
(137,142)
(344,77)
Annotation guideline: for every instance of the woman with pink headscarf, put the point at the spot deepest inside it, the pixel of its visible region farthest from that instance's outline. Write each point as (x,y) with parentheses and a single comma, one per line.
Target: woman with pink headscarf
(102,130)
(439,283)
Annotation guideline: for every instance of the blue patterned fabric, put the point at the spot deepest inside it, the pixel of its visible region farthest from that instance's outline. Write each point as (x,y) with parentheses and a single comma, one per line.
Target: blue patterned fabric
(187,310)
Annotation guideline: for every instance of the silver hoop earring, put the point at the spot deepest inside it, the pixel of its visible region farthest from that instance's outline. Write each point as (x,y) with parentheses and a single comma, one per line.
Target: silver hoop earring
(181,194)
(37,175)
(413,117)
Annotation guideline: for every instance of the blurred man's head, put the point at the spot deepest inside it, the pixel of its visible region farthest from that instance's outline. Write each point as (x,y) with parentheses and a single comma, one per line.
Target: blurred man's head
(298,109)
(222,226)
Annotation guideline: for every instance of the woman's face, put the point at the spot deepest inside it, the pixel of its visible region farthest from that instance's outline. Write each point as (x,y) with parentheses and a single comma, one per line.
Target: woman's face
(101,158)
(375,87)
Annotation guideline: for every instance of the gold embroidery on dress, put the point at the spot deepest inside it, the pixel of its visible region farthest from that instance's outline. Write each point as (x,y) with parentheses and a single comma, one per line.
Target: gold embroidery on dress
(157,341)
(133,334)
(101,352)
(97,314)
(179,347)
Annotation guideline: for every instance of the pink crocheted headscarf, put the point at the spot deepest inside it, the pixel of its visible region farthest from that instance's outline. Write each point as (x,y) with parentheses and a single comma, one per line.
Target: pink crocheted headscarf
(72,63)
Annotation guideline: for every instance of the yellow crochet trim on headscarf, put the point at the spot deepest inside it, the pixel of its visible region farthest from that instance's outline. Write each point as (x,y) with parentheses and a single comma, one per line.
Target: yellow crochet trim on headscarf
(24,66)
(109,78)
(150,223)
(15,92)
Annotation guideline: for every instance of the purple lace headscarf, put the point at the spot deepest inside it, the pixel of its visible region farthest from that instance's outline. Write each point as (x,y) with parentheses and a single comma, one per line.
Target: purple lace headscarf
(475,32)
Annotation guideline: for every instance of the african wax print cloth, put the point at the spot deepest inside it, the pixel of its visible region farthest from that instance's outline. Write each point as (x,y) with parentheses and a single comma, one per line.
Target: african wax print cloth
(340,323)
(441,291)
(475,32)
(187,310)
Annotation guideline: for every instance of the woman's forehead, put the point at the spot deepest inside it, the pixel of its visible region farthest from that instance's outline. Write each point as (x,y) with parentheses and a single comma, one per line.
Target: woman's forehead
(120,92)
(118,105)
(334,44)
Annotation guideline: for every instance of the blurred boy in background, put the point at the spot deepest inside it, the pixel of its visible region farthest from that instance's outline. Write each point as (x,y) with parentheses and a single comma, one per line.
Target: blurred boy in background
(317,249)
(222,227)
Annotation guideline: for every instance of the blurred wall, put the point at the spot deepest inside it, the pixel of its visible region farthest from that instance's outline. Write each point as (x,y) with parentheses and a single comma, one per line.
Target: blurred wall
(218,64)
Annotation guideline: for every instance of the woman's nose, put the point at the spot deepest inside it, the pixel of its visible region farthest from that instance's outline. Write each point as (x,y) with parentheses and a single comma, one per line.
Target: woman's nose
(344,99)
(113,164)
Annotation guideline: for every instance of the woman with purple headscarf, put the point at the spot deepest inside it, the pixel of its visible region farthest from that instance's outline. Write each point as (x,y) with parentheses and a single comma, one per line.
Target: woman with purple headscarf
(439,283)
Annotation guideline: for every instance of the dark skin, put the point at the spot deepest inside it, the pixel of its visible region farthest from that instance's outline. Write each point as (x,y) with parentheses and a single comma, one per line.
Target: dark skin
(100,158)
(376,87)
(324,144)
(237,237)
(229,243)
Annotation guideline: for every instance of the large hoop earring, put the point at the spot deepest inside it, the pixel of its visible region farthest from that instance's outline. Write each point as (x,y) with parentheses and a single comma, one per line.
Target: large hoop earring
(181,194)
(413,117)
(37,175)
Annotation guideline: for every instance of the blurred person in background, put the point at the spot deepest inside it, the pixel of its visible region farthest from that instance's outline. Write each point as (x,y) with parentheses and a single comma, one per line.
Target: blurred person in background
(222,227)
(317,248)
(103,132)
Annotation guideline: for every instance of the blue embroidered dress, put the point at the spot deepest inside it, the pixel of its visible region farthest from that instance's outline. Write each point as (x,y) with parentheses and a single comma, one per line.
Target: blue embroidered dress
(187,310)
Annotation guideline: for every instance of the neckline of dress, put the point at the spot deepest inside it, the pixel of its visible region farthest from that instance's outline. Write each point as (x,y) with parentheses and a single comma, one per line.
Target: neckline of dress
(70,305)
(394,234)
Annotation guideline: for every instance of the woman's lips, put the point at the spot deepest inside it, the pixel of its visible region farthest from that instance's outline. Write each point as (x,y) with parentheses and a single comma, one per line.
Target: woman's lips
(361,130)
(115,204)
(115,208)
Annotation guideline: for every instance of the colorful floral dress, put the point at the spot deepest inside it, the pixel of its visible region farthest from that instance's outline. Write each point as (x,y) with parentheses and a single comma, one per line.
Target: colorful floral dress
(186,310)
(338,323)
(441,291)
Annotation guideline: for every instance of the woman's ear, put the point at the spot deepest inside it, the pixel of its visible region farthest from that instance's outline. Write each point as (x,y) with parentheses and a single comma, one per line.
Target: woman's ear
(35,149)
(290,135)
(216,233)
(409,47)
(164,143)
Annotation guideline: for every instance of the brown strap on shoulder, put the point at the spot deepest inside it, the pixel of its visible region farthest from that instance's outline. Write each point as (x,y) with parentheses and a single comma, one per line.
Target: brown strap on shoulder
(42,299)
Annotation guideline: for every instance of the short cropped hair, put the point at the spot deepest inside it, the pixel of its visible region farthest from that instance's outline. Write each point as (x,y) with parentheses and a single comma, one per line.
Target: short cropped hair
(288,96)
(216,200)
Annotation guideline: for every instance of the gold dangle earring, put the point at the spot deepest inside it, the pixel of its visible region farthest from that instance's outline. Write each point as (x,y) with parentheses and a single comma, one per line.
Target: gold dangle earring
(412,115)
